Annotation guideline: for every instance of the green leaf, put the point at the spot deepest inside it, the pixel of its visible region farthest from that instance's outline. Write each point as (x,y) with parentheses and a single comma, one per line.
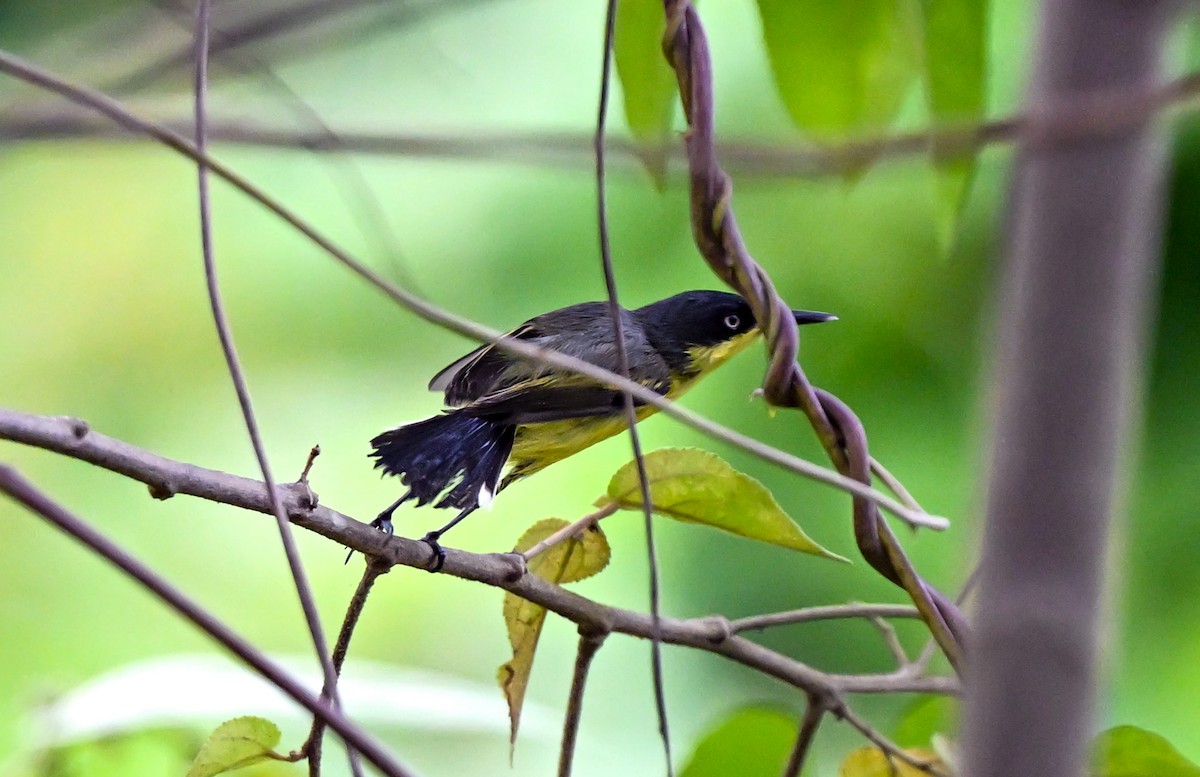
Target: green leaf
(840,66)
(955,35)
(647,82)
(571,560)
(925,717)
(1129,751)
(697,486)
(751,742)
(234,744)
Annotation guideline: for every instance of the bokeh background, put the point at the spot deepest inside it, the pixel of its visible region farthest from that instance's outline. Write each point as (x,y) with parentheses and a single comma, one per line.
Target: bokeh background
(103,315)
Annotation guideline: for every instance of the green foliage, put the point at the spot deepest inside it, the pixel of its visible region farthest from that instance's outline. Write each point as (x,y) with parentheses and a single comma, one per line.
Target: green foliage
(149,751)
(1129,751)
(925,718)
(647,81)
(955,73)
(696,486)
(235,744)
(846,67)
(840,66)
(751,742)
(568,561)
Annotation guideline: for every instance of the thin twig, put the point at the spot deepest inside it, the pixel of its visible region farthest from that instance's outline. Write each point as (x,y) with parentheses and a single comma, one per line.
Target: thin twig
(890,749)
(373,222)
(614,311)
(166,477)
(893,483)
(313,453)
(921,663)
(106,106)
(814,711)
(21,490)
(590,641)
(237,376)
(374,568)
(822,613)
(573,530)
(892,640)
(1080,120)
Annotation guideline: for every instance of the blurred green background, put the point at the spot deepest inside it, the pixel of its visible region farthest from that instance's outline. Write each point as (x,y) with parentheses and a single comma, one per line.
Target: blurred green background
(104,317)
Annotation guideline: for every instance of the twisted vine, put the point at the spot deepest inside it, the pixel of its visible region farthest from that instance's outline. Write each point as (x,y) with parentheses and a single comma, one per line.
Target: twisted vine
(720,242)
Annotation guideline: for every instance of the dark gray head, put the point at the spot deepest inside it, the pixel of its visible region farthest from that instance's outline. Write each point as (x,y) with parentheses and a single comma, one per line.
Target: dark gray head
(703,319)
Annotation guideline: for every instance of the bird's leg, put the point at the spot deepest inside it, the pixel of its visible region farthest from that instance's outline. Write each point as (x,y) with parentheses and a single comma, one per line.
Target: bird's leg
(431,539)
(383,521)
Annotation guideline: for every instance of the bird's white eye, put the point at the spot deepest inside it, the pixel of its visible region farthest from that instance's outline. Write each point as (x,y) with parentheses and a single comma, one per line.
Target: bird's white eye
(733,322)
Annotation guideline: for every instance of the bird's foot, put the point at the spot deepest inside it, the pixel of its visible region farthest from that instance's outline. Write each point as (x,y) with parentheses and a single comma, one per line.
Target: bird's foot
(382,522)
(439,555)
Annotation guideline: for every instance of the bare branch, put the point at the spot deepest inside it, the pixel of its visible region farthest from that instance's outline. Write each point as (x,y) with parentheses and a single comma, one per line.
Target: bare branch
(589,644)
(311,749)
(1079,120)
(892,640)
(889,748)
(24,492)
(573,530)
(814,711)
(166,477)
(237,376)
(894,485)
(827,612)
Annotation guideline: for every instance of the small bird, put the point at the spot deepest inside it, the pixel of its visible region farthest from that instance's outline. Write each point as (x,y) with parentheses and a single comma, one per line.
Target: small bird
(504,409)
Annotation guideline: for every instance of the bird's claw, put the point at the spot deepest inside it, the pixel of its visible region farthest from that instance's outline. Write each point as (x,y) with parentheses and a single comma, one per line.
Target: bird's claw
(382,522)
(439,554)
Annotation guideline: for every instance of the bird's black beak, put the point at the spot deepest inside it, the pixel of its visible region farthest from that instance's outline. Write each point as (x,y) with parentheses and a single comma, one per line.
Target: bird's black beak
(812,317)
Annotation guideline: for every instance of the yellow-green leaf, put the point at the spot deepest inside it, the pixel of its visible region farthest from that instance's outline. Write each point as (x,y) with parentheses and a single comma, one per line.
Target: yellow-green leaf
(567,562)
(955,35)
(694,485)
(840,66)
(647,82)
(234,744)
(1129,751)
(871,762)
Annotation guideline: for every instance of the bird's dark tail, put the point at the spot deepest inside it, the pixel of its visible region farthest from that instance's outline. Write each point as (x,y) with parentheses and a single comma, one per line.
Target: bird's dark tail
(455,456)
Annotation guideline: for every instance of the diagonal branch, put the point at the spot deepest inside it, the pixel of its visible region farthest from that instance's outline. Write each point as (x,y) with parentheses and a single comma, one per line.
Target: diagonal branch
(23,491)
(1078,119)
(166,478)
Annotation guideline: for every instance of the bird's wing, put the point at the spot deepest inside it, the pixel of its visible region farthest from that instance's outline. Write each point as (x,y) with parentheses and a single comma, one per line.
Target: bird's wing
(481,369)
(554,398)
(493,382)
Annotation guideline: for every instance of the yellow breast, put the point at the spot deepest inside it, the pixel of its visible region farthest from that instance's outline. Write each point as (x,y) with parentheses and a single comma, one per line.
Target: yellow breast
(537,446)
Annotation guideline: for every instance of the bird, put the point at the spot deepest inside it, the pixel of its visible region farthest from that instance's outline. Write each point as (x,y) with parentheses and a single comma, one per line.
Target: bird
(504,410)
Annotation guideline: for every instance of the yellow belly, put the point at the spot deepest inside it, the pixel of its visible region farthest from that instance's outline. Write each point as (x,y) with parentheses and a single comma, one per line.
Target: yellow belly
(537,446)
